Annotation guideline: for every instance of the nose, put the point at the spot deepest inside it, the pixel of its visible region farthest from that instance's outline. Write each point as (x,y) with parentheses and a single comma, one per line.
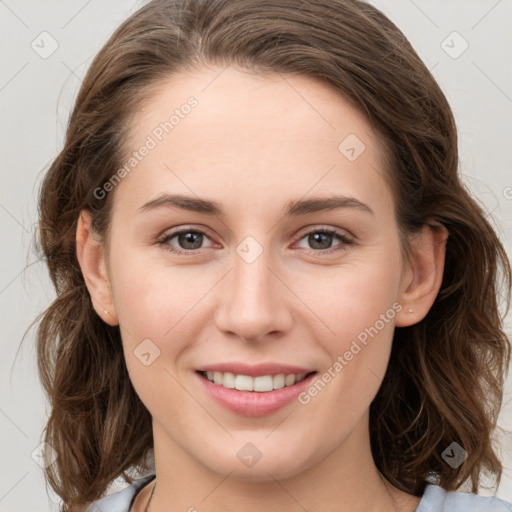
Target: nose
(254,301)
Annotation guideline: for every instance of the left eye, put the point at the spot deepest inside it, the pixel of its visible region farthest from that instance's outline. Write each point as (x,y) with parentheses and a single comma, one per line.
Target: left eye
(318,238)
(190,240)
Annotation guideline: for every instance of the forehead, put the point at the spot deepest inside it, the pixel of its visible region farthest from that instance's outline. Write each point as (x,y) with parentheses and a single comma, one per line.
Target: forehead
(215,131)
(231,98)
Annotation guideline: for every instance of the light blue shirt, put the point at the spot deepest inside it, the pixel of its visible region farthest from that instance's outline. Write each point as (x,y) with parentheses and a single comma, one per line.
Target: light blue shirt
(435,499)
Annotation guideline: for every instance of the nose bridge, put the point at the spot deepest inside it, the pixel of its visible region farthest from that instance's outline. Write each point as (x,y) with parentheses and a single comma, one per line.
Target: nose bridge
(253,304)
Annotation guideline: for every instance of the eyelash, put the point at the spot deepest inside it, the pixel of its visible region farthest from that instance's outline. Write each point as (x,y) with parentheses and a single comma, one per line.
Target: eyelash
(163,241)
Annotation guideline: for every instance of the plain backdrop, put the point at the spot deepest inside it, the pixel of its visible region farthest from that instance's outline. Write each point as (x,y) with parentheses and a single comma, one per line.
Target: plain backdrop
(46,47)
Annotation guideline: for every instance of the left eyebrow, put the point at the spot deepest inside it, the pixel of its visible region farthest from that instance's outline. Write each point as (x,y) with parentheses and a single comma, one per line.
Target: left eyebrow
(293,208)
(320,204)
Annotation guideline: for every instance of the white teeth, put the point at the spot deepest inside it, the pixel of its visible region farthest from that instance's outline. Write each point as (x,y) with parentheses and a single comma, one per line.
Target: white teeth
(228,380)
(260,384)
(289,380)
(278,381)
(263,383)
(244,383)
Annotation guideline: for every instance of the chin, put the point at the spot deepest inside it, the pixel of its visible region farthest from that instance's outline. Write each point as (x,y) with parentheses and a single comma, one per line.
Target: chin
(265,466)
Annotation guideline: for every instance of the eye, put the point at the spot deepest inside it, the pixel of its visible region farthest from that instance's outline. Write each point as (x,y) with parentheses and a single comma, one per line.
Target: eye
(321,240)
(188,239)
(191,240)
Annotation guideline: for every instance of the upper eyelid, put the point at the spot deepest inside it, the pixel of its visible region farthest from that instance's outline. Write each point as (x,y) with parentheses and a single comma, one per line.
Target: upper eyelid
(173,232)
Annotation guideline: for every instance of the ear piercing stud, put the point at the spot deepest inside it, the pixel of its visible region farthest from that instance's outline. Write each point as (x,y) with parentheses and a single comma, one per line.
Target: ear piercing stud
(410,310)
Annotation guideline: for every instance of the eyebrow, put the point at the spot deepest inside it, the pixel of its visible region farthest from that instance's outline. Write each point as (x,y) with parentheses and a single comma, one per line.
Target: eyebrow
(292,208)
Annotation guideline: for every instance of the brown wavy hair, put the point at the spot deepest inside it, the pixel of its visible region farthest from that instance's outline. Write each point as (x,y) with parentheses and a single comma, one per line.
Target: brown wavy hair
(445,377)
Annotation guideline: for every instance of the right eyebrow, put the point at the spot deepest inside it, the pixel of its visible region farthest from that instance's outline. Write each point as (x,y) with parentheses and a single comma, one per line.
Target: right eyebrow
(189,203)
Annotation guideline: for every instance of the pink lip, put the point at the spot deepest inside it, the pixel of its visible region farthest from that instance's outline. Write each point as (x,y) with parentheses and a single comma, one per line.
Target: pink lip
(254,370)
(254,403)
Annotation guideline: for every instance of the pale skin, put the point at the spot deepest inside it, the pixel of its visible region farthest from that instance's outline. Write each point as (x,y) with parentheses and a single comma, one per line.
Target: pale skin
(252,144)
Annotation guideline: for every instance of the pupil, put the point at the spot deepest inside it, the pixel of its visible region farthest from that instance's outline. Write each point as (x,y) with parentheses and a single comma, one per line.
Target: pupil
(317,239)
(189,238)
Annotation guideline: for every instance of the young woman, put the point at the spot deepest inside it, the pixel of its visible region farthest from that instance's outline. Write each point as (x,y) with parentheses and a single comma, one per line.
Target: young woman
(270,277)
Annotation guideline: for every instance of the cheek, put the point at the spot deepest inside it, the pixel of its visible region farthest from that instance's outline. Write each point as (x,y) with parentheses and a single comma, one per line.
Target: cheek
(360,312)
(158,308)
(153,304)
(353,299)
(151,300)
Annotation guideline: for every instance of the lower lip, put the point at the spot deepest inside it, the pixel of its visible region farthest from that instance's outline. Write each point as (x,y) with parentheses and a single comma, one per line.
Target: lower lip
(254,403)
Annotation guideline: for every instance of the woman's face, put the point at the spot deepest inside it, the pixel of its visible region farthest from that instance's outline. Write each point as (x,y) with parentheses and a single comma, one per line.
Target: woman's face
(267,283)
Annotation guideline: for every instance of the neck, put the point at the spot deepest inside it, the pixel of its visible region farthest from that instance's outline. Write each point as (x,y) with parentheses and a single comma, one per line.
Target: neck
(347,480)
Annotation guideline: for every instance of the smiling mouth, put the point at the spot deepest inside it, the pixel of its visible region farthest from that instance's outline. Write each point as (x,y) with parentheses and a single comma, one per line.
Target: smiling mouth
(259,384)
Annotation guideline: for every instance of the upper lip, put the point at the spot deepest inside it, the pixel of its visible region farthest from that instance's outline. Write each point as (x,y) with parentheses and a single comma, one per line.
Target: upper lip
(254,370)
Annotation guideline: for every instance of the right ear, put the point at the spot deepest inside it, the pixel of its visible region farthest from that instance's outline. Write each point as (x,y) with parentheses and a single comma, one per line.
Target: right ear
(90,255)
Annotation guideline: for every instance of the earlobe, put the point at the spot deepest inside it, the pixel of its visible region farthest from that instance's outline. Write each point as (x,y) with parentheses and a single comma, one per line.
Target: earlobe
(90,255)
(423,279)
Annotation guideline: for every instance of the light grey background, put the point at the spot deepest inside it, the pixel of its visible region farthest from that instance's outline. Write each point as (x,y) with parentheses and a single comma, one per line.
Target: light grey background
(36,95)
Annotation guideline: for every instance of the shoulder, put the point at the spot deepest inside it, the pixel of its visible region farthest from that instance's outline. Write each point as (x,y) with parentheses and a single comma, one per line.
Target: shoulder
(119,501)
(436,499)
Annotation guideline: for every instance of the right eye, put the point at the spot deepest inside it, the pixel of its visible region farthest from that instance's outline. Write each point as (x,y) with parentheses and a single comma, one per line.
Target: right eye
(190,241)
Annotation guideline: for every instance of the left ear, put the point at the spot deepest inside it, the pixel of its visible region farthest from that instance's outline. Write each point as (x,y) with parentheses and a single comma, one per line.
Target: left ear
(422,280)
